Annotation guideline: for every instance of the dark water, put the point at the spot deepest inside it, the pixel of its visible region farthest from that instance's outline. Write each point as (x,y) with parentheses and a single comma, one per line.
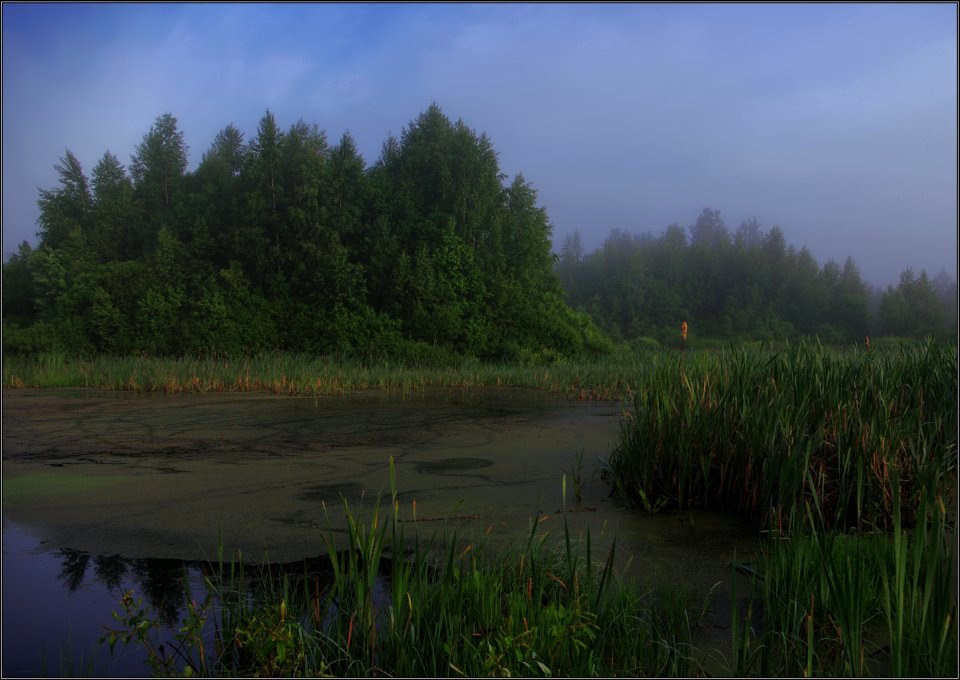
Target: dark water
(56,603)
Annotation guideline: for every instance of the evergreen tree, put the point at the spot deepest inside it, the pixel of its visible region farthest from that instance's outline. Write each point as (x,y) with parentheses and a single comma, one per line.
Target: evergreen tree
(264,193)
(114,213)
(157,169)
(67,208)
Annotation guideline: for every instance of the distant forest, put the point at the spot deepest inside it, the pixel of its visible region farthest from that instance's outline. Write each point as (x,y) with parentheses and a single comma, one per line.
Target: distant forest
(287,242)
(748,285)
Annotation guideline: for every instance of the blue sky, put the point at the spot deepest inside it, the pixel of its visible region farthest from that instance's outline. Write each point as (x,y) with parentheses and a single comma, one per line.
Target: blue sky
(836,122)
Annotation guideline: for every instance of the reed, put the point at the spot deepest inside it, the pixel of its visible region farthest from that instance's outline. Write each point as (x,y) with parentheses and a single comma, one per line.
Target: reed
(437,605)
(610,377)
(758,433)
(867,604)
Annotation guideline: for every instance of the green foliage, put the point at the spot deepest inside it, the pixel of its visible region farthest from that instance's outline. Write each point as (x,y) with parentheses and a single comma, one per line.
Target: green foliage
(288,244)
(754,287)
(761,433)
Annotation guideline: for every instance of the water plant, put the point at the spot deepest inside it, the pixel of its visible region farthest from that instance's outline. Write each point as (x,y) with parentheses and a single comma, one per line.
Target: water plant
(575,474)
(439,605)
(758,433)
(873,603)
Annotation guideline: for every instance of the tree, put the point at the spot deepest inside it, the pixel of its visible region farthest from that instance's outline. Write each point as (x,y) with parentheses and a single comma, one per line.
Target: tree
(218,198)
(67,208)
(287,243)
(709,230)
(263,193)
(227,153)
(571,254)
(850,302)
(18,293)
(157,169)
(304,240)
(346,195)
(114,213)
(749,235)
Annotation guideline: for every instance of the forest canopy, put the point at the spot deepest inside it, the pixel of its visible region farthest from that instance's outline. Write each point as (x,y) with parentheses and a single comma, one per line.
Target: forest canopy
(287,242)
(745,285)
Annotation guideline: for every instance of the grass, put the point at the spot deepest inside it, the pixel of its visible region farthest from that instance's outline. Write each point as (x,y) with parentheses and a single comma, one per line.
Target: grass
(437,605)
(873,604)
(761,434)
(293,374)
(820,603)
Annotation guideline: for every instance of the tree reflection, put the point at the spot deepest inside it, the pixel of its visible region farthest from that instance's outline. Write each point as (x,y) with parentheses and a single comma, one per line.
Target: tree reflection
(110,569)
(164,583)
(161,582)
(73,567)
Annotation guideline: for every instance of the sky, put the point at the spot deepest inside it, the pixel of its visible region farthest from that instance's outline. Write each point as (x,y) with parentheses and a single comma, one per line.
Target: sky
(836,122)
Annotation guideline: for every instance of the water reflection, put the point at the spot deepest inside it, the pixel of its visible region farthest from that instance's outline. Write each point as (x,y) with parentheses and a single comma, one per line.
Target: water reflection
(74,568)
(159,581)
(57,603)
(110,570)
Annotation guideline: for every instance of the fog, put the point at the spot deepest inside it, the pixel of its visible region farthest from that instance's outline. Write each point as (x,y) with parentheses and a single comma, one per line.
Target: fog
(837,123)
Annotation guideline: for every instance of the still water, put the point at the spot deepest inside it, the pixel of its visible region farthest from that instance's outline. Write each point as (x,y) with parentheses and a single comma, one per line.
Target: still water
(56,603)
(104,492)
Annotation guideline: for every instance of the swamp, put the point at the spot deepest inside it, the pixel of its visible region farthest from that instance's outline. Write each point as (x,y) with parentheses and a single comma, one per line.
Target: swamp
(744,512)
(95,476)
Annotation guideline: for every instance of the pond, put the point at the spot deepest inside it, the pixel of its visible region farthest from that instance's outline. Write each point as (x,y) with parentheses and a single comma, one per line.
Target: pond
(102,491)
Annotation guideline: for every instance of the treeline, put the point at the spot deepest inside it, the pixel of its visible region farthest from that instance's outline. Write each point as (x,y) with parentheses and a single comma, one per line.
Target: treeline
(745,285)
(287,242)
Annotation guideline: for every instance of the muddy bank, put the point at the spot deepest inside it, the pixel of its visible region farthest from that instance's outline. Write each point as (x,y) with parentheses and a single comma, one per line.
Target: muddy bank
(167,476)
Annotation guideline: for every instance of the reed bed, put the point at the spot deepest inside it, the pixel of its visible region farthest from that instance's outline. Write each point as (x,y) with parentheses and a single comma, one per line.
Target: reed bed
(452,606)
(761,434)
(402,602)
(295,374)
(873,604)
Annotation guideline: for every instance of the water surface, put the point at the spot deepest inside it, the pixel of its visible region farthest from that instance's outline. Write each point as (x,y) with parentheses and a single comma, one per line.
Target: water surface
(104,476)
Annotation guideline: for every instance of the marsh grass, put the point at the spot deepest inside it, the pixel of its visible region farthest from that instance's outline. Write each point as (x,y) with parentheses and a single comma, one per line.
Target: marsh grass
(295,374)
(872,604)
(443,604)
(761,433)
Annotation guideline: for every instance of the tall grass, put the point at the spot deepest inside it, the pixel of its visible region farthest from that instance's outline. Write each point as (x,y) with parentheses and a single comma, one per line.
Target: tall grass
(440,605)
(609,377)
(857,605)
(760,433)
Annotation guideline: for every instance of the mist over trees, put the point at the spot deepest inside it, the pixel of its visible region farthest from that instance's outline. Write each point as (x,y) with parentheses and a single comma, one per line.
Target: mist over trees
(745,285)
(289,242)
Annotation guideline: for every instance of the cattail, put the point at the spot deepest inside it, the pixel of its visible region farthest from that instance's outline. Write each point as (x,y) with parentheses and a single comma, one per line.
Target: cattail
(683,331)
(866,341)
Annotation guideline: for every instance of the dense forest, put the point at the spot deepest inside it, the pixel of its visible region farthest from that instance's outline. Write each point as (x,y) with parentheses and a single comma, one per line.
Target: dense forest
(748,285)
(287,242)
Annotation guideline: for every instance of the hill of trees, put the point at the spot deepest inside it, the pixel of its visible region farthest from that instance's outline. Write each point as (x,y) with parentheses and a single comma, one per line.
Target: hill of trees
(288,243)
(745,285)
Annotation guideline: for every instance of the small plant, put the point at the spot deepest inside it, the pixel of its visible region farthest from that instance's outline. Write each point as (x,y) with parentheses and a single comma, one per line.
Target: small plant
(652,508)
(187,655)
(575,473)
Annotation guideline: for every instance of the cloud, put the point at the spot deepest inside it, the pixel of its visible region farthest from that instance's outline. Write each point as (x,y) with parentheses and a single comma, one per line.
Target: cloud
(837,122)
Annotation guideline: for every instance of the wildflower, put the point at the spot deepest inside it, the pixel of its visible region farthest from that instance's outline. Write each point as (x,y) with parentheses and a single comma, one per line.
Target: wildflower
(683,331)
